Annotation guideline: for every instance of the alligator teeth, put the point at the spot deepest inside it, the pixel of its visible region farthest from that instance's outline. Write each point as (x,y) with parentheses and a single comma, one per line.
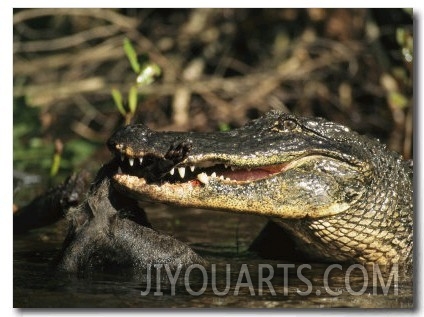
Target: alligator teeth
(233,168)
(181,171)
(225,165)
(221,177)
(228,179)
(192,168)
(122,157)
(140,160)
(203,178)
(213,174)
(131,160)
(119,170)
(172,171)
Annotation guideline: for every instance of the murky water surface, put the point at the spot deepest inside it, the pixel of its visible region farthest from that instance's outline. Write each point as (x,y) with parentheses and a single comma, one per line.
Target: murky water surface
(222,239)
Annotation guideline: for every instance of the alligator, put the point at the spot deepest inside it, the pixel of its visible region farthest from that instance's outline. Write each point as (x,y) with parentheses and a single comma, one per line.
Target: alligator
(341,196)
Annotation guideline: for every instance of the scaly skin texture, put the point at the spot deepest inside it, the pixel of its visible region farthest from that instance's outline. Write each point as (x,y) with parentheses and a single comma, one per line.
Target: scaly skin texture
(340,195)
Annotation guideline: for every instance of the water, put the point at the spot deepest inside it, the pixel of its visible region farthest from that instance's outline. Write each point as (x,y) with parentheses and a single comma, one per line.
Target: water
(223,240)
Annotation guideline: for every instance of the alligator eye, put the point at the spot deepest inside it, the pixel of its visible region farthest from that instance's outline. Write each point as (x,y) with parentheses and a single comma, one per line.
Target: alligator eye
(289,125)
(285,125)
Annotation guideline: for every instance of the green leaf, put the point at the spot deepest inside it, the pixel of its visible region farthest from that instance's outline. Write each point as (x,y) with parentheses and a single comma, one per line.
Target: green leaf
(398,100)
(132,99)
(132,55)
(223,127)
(54,169)
(117,97)
(400,36)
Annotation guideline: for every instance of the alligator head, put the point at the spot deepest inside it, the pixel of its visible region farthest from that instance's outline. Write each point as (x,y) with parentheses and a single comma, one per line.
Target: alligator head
(282,165)
(312,175)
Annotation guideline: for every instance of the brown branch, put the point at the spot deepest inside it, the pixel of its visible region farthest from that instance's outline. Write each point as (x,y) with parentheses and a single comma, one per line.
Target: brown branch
(108,50)
(87,133)
(66,41)
(103,14)
(48,93)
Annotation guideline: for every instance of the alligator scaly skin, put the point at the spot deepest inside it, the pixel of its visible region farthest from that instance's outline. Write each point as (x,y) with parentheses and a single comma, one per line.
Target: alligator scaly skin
(340,195)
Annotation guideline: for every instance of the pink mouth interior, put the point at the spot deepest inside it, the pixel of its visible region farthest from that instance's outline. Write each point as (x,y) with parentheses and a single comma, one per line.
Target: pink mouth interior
(253,174)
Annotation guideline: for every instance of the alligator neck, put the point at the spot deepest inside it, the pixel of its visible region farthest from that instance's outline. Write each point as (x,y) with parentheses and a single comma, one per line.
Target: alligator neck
(375,229)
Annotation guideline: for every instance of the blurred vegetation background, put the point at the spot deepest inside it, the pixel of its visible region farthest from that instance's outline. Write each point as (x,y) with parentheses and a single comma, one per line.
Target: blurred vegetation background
(219,69)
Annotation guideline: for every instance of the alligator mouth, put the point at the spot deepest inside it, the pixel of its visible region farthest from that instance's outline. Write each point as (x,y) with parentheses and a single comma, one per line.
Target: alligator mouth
(199,173)
(214,184)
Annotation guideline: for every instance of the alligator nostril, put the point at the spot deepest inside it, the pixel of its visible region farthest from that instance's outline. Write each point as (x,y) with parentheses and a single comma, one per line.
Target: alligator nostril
(179,152)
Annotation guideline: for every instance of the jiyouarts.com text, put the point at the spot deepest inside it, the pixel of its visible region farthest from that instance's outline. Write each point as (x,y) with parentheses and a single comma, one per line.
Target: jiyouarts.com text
(279,279)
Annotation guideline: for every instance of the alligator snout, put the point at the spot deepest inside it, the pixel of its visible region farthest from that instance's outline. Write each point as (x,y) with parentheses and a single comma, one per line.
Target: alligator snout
(157,168)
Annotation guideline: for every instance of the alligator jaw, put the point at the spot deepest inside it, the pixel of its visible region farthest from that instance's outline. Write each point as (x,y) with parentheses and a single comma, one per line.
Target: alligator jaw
(212,185)
(200,172)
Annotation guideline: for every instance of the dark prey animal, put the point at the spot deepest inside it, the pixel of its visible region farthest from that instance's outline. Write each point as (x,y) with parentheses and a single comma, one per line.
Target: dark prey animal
(110,233)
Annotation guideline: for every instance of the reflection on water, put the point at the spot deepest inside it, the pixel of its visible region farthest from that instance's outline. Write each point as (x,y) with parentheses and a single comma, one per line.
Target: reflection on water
(233,277)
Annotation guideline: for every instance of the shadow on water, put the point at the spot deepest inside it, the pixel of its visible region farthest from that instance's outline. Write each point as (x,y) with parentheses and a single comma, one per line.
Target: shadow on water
(233,277)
